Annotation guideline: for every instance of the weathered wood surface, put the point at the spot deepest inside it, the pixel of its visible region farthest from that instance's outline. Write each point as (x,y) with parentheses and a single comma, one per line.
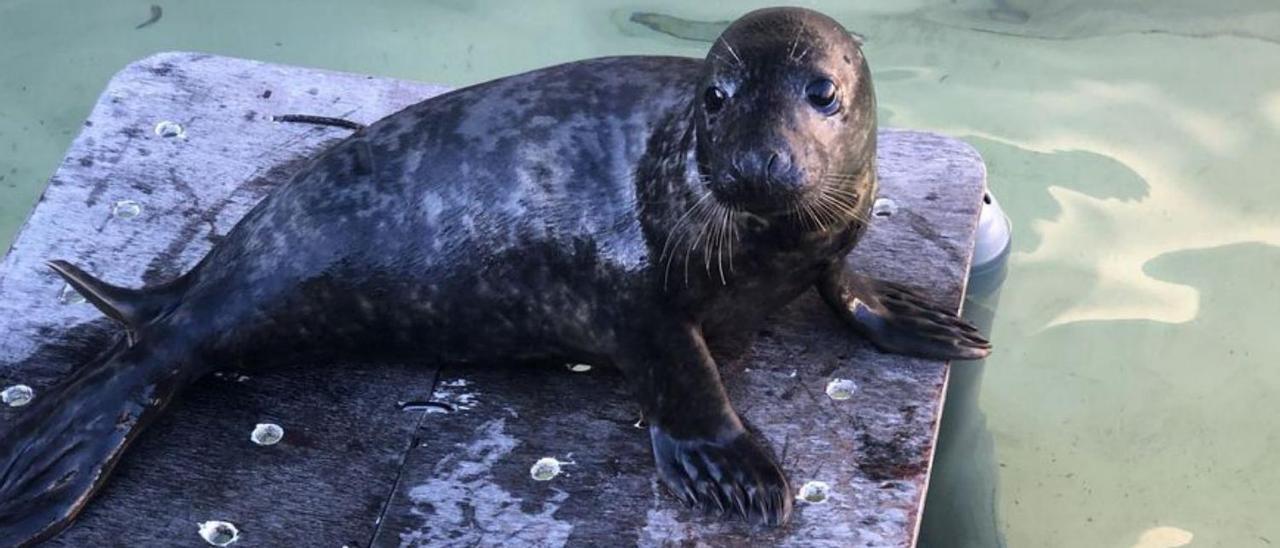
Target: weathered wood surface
(345,437)
(353,468)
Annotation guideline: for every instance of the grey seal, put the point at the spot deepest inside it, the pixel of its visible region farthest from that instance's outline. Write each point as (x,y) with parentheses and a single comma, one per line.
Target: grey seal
(619,211)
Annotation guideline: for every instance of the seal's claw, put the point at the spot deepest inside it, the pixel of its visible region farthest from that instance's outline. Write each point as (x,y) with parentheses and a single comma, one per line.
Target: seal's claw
(735,476)
(900,319)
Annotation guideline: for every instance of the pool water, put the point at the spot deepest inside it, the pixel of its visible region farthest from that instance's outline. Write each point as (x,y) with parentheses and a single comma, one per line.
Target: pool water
(1135,145)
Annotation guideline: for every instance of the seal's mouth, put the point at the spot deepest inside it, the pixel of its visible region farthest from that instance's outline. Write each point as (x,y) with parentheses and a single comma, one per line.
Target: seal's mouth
(761,198)
(758,196)
(772,207)
(825,202)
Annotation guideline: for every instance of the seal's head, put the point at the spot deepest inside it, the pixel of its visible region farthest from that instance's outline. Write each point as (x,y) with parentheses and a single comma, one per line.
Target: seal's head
(786,117)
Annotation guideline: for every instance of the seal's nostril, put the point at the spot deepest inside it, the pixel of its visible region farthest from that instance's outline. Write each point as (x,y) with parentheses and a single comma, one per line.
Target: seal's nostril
(776,169)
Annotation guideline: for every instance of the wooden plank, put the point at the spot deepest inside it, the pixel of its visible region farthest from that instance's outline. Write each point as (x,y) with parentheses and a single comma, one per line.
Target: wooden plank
(470,483)
(345,437)
(467,477)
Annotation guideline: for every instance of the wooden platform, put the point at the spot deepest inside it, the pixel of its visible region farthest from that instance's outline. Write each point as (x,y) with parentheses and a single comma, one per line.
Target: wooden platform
(137,201)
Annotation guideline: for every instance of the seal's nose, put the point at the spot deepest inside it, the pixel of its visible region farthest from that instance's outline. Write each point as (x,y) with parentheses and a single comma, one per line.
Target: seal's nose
(760,178)
(767,167)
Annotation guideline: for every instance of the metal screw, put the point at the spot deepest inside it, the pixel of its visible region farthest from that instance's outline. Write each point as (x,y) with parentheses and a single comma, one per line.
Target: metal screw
(126,209)
(267,434)
(545,469)
(815,492)
(841,389)
(165,128)
(218,533)
(884,207)
(17,395)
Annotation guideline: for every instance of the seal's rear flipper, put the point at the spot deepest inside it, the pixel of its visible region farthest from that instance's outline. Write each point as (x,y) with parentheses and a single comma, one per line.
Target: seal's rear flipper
(131,307)
(63,446)
(899,319)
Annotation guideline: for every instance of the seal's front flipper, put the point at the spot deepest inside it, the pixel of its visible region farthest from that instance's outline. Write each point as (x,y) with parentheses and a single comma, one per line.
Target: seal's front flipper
(63,446)
(899,319)
(703,453)
(735,475)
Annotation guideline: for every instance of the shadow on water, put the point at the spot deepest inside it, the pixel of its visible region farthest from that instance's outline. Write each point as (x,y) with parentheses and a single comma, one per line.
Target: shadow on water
(960,509)
(1082,19)
(1022,179)
(685,29)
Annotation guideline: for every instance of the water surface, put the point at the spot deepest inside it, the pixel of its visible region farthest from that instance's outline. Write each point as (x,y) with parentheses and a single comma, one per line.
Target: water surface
(1135,145)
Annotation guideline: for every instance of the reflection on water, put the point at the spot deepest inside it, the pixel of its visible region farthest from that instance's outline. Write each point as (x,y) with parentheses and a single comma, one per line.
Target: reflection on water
(1164,537)
(960,510)
(685,29)
(1133,142)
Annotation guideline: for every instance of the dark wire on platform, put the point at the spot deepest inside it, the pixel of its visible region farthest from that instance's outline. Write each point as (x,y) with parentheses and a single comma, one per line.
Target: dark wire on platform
(318,120)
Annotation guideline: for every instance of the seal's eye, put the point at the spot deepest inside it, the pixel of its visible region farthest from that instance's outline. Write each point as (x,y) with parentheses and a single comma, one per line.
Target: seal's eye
(822,95)
(714,99)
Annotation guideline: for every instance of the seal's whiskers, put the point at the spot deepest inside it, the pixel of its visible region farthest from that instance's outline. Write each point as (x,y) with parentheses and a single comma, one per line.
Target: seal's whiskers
(729,47)
(844,198)
(794,44)
(703,216)
(842,204)
(723,237)
(676,236)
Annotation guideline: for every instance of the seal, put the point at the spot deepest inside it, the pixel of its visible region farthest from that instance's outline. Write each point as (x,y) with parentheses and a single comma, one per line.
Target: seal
(619,211)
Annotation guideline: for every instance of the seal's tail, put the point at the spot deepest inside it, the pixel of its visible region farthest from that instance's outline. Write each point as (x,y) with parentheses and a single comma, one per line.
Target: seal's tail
(63,445)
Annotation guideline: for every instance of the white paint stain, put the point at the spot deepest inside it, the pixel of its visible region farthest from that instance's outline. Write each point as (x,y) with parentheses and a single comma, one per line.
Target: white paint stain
(461,506)
(453,393)
(661,525)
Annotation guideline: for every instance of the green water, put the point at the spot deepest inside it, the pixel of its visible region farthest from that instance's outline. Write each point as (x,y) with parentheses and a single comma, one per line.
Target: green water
(1135,145)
